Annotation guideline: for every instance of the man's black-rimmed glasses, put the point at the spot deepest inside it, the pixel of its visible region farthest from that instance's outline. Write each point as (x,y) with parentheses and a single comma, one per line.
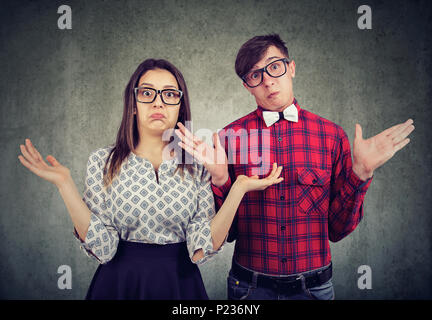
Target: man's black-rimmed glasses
(274,69)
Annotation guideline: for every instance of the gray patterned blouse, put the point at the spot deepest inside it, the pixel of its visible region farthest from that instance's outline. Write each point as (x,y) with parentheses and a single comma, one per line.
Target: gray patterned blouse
(138,207)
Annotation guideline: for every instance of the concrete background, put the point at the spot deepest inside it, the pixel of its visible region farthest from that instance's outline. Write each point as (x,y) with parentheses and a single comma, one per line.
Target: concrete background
(63,89)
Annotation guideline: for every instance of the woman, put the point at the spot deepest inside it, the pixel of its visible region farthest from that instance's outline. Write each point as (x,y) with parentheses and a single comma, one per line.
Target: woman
(147,217)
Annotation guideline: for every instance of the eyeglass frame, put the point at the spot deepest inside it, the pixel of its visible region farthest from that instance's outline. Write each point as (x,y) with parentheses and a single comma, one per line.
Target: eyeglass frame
(158,92)
(265,69)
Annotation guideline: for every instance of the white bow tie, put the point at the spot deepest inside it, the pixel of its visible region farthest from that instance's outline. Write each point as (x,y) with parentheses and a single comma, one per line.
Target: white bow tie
(290,113)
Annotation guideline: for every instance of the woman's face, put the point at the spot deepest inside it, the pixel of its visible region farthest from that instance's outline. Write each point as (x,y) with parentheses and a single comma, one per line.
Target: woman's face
(157,116)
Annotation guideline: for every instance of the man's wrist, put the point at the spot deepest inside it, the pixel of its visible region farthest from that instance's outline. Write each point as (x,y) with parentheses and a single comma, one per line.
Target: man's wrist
(362,173)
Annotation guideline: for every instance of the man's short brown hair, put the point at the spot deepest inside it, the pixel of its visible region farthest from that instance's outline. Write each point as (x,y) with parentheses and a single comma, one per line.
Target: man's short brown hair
(253,50)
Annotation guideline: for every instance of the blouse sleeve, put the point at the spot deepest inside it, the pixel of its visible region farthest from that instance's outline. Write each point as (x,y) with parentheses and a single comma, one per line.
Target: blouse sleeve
(198,233)
(102,237)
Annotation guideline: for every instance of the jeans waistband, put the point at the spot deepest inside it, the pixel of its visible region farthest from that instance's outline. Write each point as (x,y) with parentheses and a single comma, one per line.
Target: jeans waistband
(286,283)
(284,276)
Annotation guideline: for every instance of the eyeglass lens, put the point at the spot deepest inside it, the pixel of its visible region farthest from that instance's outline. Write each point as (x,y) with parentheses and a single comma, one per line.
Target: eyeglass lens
(148,95)
(274,69)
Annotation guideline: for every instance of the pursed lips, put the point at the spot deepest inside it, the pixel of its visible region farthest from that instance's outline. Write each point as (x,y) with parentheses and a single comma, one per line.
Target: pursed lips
(273,94)
(157,116)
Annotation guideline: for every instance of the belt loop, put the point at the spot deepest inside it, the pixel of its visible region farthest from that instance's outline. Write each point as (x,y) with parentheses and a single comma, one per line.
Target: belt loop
(319,277)
(303,281)
(254,279)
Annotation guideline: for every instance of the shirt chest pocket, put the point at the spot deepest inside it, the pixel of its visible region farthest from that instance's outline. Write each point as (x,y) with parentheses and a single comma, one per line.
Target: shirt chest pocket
(313,190)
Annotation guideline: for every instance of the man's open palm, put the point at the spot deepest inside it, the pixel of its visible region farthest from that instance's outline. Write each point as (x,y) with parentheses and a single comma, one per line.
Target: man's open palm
(370,154)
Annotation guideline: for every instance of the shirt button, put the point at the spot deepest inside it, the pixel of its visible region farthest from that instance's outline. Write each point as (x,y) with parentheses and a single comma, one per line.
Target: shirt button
(280,139)
(283,228)
(282,197)
(283,260)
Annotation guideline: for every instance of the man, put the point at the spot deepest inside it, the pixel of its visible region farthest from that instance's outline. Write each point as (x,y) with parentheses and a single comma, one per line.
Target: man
(282,249)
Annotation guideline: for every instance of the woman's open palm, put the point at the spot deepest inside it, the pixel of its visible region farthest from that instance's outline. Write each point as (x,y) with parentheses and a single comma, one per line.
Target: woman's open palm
(253,183)
(53,172)
(213,157)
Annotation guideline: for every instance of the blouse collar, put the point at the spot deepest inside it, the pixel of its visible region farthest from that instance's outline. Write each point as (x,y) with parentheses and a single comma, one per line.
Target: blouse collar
(134,160)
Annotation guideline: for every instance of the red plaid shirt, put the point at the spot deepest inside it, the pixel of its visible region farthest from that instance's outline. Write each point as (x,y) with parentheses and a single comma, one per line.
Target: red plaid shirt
(286,228)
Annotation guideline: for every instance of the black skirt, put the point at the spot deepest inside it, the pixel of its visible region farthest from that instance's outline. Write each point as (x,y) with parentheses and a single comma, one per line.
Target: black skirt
(141,271)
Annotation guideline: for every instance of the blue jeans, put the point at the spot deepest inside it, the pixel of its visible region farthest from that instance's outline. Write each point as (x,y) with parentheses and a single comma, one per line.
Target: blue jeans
(242,290)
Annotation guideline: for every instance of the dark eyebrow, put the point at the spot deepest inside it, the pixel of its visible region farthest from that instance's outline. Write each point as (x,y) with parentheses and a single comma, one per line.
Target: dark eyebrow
(267,60)
(150,85)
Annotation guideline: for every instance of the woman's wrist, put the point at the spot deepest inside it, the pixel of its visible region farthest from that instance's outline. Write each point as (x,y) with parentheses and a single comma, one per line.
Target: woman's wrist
(239,186)
(218,182)
(66,184)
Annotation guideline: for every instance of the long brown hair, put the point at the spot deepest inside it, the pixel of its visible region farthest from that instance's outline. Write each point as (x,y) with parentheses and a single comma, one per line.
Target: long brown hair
(128,136)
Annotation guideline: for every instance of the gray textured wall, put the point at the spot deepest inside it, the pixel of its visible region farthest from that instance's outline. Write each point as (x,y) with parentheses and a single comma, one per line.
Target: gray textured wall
(63,89)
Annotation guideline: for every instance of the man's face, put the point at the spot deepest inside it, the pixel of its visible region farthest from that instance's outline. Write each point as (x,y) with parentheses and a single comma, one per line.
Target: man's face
(273,94)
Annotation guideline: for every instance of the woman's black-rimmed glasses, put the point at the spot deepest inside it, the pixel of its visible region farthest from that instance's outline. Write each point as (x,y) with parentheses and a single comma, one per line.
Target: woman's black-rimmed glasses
(274,69)
(148,95)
